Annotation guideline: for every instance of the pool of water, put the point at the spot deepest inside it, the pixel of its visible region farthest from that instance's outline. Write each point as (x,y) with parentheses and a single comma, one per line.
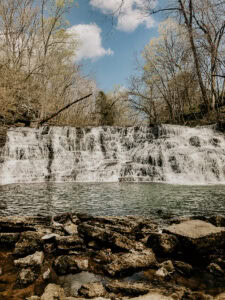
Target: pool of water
(145,199)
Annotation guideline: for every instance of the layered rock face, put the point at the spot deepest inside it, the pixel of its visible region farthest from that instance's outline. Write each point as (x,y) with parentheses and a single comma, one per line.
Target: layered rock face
(77,256)
(164,153)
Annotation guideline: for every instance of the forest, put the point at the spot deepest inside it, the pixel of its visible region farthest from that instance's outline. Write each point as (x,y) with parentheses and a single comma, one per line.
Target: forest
(180,78)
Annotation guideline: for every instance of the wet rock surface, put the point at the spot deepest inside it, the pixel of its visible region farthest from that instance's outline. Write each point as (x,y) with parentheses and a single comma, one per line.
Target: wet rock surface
(77,256)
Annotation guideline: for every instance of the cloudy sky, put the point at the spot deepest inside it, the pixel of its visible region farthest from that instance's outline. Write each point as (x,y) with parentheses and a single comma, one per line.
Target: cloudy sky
(109,45)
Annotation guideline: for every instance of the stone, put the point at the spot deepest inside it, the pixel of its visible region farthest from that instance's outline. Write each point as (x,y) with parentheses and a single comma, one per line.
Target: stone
(162,273)
(8,240)
(198,236)
(28,243)
(127,288)
(70,243)
(168,265)
(70,228)
(46,274)
(48,238)
(107,238)
(215,269)
(26,277)
(53,292)
(195,141)
(66,264)
(130,262)
(32,260)
(19,224)
(162,244)
(92,290)
(183,268)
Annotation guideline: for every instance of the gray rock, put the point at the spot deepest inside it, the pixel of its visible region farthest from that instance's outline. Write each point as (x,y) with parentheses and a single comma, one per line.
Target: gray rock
(53,292)
(35,259)
(66,264)
(130,262)
(198,236)
(162,244)
(26,277)
(92,290)
(195,141)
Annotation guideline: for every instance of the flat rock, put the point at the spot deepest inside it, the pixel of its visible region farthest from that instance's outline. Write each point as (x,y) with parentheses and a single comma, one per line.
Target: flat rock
(130,262)
(195,229)
(35,259)
(198,235)
(127,288)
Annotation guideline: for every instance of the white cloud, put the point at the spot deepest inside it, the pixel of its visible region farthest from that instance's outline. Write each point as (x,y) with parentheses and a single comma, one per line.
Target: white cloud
(129,14)
(90,46)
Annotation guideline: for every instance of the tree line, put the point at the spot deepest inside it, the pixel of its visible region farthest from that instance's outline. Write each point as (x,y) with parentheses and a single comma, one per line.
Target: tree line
(181,76)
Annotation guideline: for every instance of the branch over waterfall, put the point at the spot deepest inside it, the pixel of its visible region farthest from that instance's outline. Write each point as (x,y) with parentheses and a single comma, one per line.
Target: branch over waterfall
(62,109)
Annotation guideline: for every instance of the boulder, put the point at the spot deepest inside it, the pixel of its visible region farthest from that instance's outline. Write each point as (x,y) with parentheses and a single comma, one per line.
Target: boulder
(124,264)
(92,290)
(53,292)
(162,244)
(28,243)
(67,264)
(198,236)
(33,260)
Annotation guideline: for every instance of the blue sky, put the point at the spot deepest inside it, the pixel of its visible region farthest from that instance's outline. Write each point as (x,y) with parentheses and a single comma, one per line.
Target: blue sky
(109,46)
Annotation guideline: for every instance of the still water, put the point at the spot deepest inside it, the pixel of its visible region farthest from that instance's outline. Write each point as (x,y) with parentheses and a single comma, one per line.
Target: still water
(146,199)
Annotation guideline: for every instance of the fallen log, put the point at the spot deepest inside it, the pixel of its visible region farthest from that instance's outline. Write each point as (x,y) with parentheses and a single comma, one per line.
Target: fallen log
(62,109)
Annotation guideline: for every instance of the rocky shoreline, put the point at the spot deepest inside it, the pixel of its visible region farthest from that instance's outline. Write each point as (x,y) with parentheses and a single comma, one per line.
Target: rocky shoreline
(78,256)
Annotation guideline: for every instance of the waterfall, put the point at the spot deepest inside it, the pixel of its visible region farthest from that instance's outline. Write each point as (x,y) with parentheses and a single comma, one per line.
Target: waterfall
(165,153)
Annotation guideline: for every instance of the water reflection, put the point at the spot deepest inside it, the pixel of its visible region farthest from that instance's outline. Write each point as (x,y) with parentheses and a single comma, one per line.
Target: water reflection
(111,199)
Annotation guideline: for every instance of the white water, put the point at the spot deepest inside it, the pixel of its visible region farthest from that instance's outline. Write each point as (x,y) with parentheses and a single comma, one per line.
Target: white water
(167,153)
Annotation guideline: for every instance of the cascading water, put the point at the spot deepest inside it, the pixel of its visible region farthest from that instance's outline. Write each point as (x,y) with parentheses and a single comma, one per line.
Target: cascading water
(165,153)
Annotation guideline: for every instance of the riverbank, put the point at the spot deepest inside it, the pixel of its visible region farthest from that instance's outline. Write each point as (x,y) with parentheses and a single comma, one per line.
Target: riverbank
(77,256)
